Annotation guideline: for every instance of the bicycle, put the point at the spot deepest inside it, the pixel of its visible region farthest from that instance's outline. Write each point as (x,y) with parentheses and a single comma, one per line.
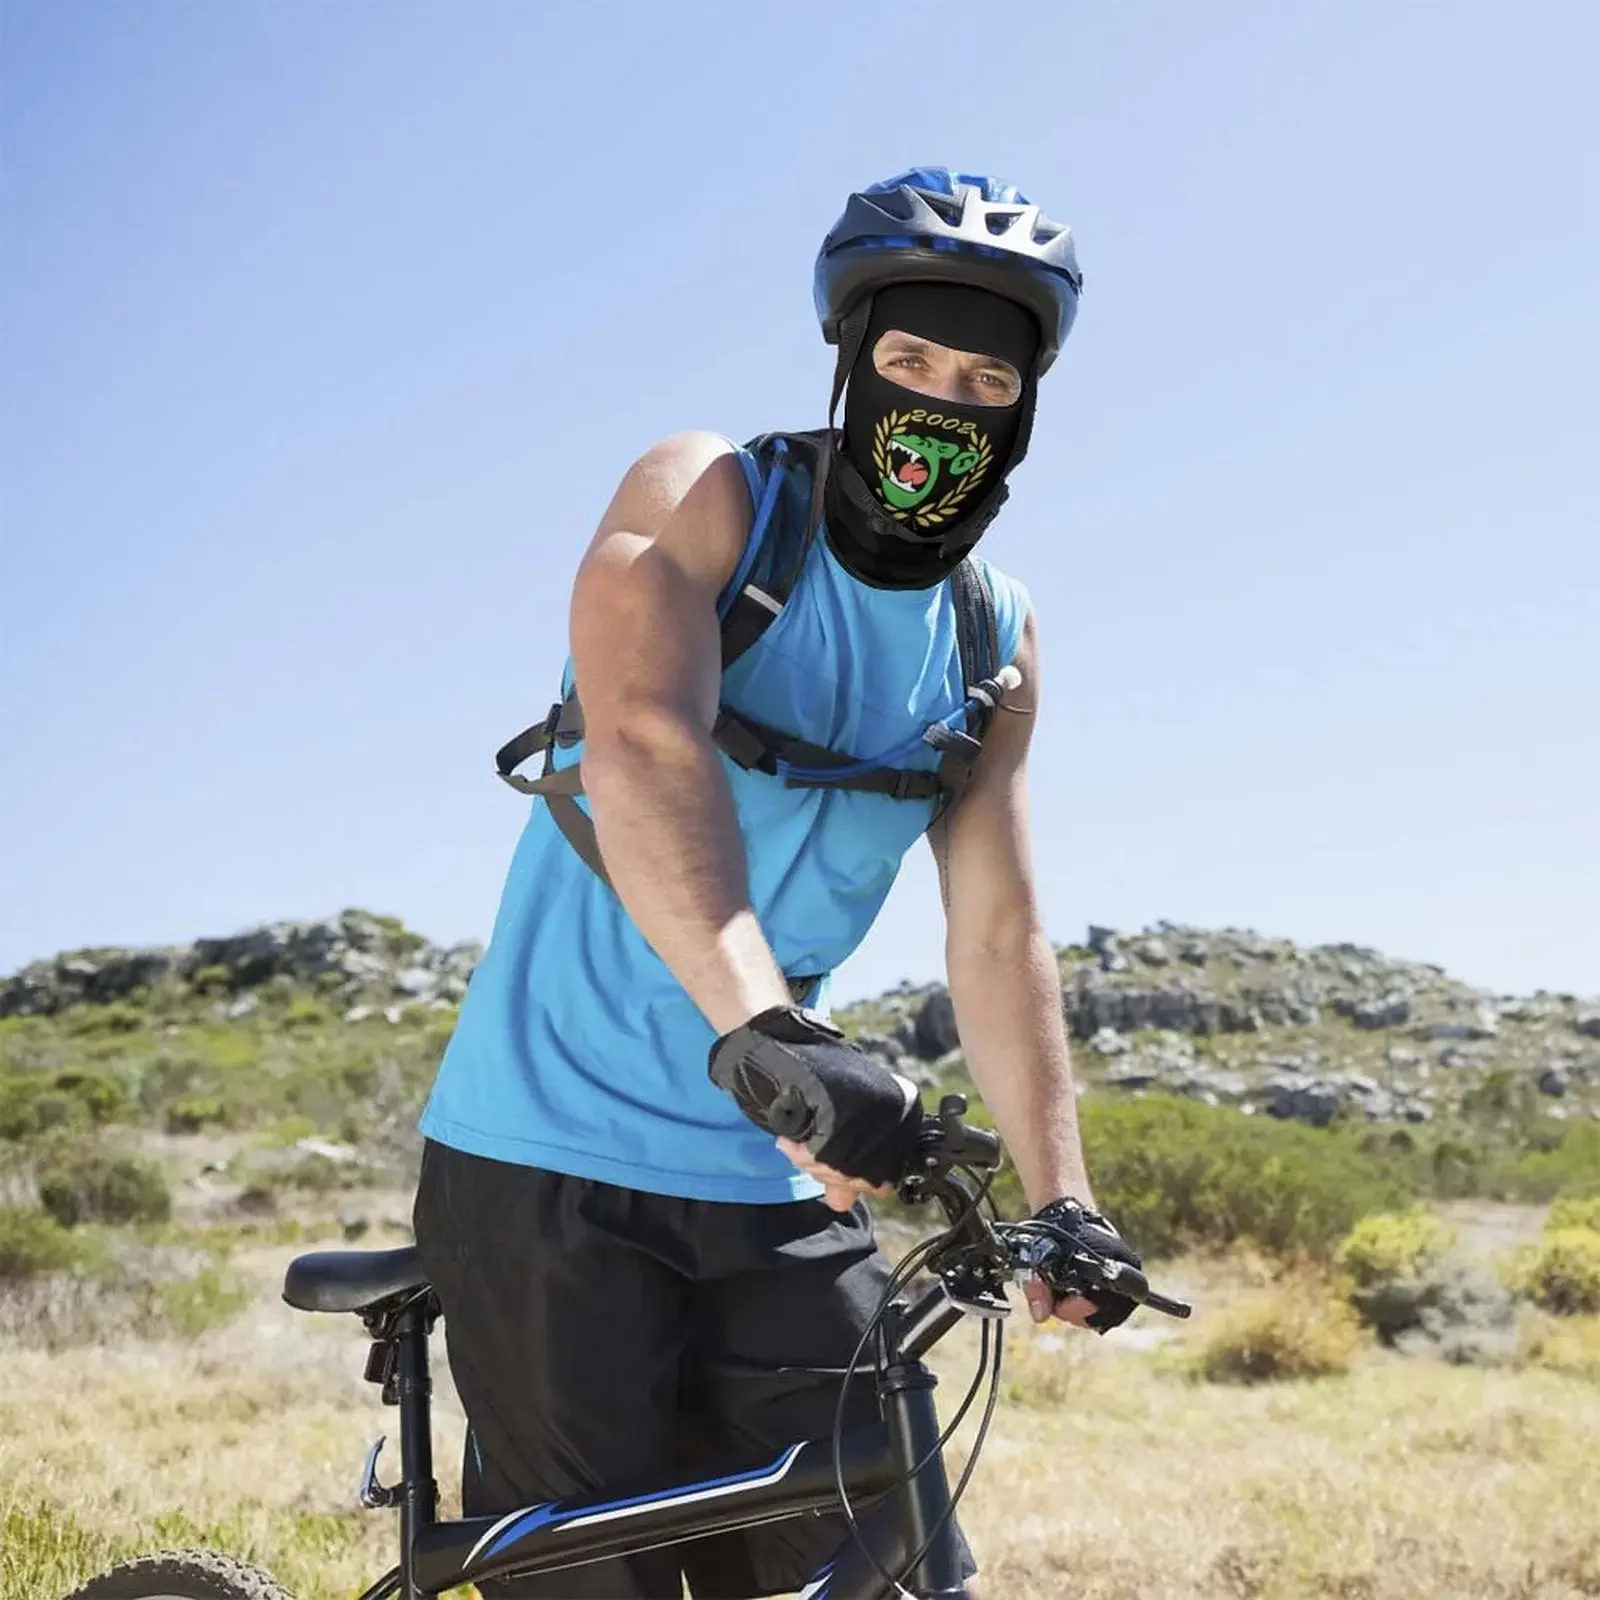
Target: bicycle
(895,1467)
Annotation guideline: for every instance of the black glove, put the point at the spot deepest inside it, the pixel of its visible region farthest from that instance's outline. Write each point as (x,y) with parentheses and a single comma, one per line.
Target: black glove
(796,1075)
(1090,1230)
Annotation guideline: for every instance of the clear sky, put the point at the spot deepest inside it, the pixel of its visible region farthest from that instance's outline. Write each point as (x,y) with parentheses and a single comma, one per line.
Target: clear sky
(328,330)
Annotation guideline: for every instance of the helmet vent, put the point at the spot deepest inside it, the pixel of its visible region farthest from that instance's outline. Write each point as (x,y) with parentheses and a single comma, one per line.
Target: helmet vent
(947,206)
(999,221)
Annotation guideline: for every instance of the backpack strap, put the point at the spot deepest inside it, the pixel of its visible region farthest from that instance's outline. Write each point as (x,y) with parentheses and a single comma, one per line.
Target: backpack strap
(776,550)
(978,640)
(774,556)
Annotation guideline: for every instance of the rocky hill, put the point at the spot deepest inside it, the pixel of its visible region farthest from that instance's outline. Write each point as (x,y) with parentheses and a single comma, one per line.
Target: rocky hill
(1224,1016)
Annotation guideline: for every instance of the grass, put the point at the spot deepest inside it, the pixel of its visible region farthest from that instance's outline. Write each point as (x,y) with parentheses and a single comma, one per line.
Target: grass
(1296,1330)
(1107,1476)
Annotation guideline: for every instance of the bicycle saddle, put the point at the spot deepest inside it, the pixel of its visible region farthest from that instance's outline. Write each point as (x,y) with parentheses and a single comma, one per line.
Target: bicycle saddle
(351,1280)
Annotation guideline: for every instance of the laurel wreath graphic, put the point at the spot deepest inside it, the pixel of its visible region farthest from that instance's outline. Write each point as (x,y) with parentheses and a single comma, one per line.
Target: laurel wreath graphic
(949,503)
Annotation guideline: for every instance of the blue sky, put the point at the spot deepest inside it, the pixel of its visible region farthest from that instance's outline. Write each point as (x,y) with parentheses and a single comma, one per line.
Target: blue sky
(329,329)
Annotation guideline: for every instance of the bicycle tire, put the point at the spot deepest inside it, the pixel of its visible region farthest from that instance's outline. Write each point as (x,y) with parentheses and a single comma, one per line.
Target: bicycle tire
(182,1575)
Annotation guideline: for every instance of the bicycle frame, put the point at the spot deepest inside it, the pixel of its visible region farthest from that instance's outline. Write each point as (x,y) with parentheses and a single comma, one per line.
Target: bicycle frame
(896,1466)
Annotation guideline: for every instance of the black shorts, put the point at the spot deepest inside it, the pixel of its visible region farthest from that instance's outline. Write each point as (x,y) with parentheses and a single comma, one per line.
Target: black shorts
(597,1335)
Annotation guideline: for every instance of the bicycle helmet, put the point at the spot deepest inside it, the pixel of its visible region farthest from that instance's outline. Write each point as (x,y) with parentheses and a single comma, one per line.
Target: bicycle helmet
(931,223)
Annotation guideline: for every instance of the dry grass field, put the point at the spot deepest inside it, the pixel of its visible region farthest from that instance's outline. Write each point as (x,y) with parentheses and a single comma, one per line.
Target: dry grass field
(1109,1475)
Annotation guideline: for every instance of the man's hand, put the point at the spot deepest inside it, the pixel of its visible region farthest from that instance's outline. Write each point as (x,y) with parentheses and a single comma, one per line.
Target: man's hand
(1104,1310)
(799,1078)
(839,1191)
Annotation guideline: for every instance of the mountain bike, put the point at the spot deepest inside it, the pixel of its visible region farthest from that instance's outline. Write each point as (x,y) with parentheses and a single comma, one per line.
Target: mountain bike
(888,1479)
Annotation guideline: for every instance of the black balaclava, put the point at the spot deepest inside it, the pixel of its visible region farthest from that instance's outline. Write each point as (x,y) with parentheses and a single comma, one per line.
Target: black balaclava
(918,480)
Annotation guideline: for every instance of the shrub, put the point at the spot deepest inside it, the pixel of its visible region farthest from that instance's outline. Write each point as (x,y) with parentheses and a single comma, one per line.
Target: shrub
(1561,1273)
(1575,1213)
(1395,1268)
(100,1094)
(1563,1344)
(303,1013)
(188,1306)
(210,980)
(1570,1167)
(1393,1245)
(93,1185)
(1298,1330)
(116,1016)
(1173,1173)
(192,1112)
(32,1242)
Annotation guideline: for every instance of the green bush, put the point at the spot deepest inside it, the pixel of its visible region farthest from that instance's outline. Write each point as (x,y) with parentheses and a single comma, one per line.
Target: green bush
(303,1013)
(1298,1330)
(1569,1345)
(191,1112)
(211,980)
(116,1016)
(1571,1167)
(1575,1213)
(1173,1173)
(188,1306)
(94,1185)
(32,1242)
(1393,1245)
(1561,1273)
(1395,1267)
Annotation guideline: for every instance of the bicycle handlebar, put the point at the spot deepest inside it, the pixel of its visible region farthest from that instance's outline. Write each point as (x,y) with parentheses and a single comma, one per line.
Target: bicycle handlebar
(992,1250)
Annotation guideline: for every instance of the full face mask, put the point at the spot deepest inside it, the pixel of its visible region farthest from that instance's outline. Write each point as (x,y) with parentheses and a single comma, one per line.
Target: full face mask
(918,479)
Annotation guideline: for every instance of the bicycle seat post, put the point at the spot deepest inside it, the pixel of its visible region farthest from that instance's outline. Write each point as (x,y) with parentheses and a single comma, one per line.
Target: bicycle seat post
(419,1494)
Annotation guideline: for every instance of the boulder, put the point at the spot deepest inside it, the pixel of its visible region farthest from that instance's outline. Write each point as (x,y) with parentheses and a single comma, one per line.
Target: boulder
(1554,1081)
(934,1031)
(1389,1011)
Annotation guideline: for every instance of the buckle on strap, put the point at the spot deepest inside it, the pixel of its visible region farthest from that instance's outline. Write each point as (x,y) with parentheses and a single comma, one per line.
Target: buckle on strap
(529,742)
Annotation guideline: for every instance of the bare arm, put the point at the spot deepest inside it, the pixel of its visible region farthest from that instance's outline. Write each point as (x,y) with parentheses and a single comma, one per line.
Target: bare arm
(646,650)
(1002,970)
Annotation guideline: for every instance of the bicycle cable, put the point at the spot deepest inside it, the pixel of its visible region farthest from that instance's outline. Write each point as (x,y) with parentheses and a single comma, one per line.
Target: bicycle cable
(901,1275)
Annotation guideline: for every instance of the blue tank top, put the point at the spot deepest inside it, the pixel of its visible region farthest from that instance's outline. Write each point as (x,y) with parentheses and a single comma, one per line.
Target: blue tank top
(576,1049)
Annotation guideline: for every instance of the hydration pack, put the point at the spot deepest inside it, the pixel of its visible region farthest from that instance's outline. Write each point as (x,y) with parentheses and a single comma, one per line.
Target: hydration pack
(774,556)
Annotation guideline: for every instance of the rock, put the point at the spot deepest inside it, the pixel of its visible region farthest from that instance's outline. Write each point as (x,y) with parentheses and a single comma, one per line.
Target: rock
(1152,952)
(359,1013)
(1588,1024)
(1399,1056)
(1108,1042)
(353,1221)
(417,982)
(1240,1019)
(1136,1075)
(346,1154)
(242,1007)
(256,1200)
(393,1014)
(1554,1082)
(934,1032)
(1303,1099)
(1103,941)
(1391,1011)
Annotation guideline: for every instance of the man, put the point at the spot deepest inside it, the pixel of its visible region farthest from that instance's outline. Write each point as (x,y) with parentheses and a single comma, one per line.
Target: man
(635,1276)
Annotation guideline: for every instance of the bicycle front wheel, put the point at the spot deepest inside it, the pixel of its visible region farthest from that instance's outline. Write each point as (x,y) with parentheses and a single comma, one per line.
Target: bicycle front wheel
(182,1575)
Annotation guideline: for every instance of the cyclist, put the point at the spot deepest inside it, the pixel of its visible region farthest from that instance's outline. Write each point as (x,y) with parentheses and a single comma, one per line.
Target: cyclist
(636,1274)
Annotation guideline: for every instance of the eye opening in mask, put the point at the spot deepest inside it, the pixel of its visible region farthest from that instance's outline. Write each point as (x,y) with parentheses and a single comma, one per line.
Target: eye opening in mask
(941,373)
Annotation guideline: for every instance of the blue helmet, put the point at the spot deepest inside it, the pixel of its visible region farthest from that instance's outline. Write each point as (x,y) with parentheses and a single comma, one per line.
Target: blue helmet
(931,223)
